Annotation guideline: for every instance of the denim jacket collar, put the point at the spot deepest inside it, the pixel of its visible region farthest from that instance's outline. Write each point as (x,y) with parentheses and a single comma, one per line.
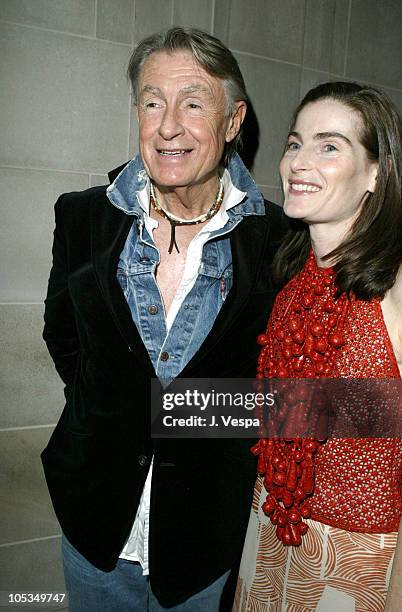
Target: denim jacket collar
(122,192)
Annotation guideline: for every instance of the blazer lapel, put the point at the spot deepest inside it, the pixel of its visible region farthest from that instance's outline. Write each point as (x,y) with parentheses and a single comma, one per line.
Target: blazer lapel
(248,243)
(109,231)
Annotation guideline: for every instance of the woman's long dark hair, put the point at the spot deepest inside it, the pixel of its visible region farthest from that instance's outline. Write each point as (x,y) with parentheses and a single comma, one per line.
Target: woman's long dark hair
(367,261)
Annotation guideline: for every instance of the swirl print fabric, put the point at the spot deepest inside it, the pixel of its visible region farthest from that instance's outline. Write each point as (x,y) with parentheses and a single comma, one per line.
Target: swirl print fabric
(334,569)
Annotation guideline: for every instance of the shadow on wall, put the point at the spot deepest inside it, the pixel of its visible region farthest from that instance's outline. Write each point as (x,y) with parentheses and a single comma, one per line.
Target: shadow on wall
(250,137)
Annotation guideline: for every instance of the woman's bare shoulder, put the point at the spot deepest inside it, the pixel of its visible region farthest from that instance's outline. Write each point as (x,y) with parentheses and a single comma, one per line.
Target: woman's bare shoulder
(392,310)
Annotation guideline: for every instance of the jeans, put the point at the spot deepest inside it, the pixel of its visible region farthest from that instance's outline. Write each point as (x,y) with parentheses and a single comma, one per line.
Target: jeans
(124,589)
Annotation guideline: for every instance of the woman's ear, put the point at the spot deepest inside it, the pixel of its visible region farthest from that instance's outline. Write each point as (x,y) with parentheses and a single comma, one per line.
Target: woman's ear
(372,185)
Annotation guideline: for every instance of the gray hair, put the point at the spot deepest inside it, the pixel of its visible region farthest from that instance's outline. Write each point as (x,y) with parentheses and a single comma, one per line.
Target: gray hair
(212,55)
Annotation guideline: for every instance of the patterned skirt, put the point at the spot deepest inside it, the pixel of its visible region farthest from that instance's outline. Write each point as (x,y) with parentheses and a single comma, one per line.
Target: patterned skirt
(333,570)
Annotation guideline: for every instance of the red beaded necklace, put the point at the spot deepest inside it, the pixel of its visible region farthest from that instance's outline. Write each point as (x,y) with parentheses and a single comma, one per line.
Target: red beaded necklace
(302,344)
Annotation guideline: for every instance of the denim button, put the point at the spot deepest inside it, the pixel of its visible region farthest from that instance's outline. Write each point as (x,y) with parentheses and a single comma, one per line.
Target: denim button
(164,356)
(152,309)
(142,460)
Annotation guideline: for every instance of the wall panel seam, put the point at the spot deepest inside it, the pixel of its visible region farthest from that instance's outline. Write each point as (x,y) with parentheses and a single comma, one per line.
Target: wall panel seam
(172,12)
(345,59)
(95,18)
(24,427)
(21,303)
(45,169)
(303,48)
(265,57)
(31,541)
(133,23)
(212,24)
(366,81)
(65,33)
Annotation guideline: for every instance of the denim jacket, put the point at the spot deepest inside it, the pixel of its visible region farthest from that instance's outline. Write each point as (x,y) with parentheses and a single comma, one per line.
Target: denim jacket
(171,347)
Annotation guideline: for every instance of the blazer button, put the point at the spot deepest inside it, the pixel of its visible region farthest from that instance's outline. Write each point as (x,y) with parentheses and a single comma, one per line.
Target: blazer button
(142,460)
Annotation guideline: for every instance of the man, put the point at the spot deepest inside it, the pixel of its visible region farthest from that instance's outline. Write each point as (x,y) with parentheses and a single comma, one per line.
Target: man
(165,273)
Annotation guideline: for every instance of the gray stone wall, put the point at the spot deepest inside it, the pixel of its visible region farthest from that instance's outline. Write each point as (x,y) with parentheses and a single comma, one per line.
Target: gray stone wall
(66,119)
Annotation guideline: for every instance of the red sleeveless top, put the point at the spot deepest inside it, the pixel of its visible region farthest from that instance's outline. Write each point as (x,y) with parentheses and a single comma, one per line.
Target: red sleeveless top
(357,481)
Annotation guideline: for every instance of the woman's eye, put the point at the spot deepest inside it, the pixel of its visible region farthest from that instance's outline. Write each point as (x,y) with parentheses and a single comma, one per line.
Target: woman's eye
(194,105)
(329,148)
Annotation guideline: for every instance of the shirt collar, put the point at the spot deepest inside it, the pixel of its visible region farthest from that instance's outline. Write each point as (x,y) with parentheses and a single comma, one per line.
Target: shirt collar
(129,191)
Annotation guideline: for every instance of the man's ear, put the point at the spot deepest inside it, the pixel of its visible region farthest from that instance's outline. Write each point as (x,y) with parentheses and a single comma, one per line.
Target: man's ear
(236,120)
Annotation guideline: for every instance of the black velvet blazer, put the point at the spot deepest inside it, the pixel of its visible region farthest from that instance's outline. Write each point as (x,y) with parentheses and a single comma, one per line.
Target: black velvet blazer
(97,459)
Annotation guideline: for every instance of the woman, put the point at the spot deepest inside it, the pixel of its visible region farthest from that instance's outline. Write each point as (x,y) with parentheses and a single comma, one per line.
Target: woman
(325,516)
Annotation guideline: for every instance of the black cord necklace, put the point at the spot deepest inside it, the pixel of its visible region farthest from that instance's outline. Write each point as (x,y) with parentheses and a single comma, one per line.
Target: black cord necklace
(176,221)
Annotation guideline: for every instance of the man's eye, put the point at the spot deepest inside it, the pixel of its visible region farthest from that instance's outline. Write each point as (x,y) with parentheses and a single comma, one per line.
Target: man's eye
(292,146)
(150,105)
(194,105)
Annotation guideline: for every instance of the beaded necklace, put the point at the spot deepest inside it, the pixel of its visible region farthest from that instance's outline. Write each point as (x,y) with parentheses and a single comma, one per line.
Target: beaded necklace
(303,344)
(176,221)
